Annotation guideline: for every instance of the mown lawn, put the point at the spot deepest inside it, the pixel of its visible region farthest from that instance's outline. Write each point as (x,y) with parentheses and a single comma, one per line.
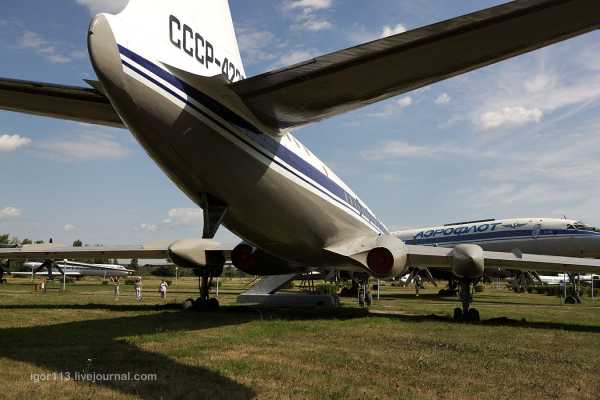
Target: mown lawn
(528,347)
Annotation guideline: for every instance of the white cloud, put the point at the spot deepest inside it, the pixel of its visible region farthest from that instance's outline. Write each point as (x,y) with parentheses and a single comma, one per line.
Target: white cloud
(306,19)
(69,228)
(84,147)
(185,217)
(10,212)
(100,6)
(391,108)
(443,98)
(310,4)
(509,116)
(404,102)
(394,149)
(31,40)
(540,82)
(256,45)
(12,142)
(294,57)
(392,30)
(315,24)
(148,227)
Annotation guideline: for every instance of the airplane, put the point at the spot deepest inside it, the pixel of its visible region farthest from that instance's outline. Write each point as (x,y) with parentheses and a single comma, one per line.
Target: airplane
(171,73)
(74,269)
(547,236)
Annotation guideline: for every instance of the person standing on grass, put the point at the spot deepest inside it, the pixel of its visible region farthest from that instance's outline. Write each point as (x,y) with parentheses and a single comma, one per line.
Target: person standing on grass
(43,286)
(138,288)
(163,290)
(116,283)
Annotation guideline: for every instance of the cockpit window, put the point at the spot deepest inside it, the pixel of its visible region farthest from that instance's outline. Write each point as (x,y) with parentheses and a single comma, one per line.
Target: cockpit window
(569,226)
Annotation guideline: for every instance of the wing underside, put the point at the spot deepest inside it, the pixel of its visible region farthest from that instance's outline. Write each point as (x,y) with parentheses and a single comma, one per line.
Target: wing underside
(85,253)
(441,257)
(345,80)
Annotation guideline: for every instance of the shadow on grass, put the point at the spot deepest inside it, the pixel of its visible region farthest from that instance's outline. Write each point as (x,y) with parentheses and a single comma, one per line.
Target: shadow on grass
(69,347)
(501,321)
(102,347)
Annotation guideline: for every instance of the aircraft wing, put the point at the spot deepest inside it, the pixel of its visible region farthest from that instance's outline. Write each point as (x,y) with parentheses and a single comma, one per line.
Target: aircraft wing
(441,257)
(61,253)
(345,80)
(58,101)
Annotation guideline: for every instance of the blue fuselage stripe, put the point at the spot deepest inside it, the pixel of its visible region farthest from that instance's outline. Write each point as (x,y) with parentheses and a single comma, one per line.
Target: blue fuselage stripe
(251,133)
(502,235)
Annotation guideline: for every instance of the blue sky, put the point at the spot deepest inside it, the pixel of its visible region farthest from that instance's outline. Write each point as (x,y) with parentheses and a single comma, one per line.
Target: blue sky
(520,138)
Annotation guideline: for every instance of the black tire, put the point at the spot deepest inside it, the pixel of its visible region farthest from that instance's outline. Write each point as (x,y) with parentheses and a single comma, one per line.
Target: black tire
(212,304)
(188,304)
(570,300)
(458,315)
(473,315)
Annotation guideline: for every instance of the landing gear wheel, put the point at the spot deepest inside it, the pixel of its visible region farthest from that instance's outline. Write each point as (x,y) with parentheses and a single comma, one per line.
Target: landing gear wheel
(212,304)
(571,300)
(473,315)
(458,315)
(188,304)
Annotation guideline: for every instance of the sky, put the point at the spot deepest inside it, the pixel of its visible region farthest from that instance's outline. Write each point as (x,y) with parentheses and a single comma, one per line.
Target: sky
(520,138)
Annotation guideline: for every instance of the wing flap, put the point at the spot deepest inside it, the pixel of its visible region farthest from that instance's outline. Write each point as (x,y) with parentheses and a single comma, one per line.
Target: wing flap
(58,101)
(345,80)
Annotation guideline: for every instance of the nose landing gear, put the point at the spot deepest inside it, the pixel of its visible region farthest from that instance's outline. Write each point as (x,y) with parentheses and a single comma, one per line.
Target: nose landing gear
(466,313)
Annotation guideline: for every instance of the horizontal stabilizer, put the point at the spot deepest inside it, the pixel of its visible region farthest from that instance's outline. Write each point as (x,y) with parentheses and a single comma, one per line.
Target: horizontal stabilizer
(58,101)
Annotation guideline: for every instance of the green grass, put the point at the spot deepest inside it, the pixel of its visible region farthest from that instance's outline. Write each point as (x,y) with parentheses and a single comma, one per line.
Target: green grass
(528,346)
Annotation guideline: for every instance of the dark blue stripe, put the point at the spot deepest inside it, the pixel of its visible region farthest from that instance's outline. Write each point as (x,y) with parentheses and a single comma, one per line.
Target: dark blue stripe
(251,133)
(501,235)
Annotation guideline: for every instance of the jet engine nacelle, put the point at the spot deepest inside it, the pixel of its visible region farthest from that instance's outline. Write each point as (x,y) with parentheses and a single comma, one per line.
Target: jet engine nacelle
(196,253)
(255,261)
(468,261)
(386,258)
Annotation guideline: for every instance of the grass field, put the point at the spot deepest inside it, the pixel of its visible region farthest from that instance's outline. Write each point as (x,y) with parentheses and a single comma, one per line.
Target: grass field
(528,346)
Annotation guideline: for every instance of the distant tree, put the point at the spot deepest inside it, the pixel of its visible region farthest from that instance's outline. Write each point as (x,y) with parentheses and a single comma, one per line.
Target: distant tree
(4,239)
(26,241)
(165,270)
(134,264)
(78,243)
(39,242)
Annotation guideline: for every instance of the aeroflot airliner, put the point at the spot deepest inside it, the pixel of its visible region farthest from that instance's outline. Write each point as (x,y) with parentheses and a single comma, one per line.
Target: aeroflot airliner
(171,72)
(549,236)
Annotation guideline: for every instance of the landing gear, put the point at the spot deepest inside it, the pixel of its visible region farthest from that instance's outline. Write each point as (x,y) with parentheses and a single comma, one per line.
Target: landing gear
(214,211)
(466,314)
(205,278)
(572,293)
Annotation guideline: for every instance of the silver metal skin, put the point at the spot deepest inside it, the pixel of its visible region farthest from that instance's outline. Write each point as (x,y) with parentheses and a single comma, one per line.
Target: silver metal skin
(267,208)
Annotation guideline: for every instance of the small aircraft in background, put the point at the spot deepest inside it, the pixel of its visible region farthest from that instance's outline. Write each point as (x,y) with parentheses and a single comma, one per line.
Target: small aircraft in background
(73,269)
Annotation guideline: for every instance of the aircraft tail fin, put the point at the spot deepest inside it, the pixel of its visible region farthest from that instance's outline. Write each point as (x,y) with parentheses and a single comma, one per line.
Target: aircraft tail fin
(194,36)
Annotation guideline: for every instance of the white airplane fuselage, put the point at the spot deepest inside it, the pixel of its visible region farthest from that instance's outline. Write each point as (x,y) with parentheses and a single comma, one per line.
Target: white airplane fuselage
(281,198)
(83,269)
(547,236)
